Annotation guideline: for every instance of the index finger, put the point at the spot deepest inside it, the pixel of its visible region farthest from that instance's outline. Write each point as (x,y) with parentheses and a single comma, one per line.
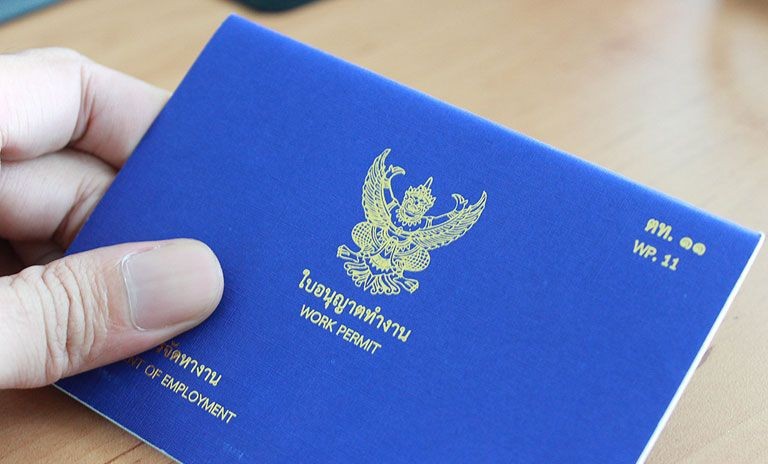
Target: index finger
(54,98)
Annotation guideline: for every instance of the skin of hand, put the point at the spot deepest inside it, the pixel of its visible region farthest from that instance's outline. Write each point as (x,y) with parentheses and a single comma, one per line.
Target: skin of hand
(67,125)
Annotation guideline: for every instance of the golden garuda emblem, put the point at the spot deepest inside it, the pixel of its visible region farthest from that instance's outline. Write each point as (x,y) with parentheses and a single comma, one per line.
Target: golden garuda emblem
(396,237)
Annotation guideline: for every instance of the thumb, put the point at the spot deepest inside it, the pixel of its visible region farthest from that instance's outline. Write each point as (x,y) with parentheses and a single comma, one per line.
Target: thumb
(94,308)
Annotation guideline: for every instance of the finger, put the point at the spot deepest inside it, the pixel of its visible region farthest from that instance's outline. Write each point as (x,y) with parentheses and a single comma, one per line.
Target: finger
(94,308)
(53,98)
(50,197)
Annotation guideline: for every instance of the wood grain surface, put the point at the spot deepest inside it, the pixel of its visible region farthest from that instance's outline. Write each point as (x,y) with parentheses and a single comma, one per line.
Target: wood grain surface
(670,93)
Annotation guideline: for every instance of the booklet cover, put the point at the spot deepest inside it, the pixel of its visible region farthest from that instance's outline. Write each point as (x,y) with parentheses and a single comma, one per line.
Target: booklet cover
(405,281)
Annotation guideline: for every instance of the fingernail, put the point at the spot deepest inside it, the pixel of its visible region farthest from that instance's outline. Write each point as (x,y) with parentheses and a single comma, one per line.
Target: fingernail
(177,283)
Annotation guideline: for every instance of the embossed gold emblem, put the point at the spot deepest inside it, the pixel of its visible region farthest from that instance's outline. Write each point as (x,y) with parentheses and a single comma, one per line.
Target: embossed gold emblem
(396,237)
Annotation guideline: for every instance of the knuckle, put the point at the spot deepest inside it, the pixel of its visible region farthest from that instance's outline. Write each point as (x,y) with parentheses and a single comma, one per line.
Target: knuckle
(71,309)
(61,58)
(51,55)
(58,53)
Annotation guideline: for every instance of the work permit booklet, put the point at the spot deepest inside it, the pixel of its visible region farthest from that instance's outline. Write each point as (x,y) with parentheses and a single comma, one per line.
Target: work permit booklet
(405,281)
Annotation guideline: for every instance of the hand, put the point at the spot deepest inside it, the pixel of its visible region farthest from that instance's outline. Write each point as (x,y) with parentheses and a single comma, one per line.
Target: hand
(393,171)
(66,125)
(461,202)
(390,174)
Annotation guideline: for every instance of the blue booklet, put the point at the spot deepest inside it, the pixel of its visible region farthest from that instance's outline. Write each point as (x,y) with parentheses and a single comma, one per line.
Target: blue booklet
(405,281)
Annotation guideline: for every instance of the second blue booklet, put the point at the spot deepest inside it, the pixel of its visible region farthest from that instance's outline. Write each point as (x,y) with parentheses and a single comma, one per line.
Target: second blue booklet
(405,281)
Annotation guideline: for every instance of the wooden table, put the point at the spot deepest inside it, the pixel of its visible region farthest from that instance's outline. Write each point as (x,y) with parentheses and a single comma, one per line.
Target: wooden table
(670,93)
